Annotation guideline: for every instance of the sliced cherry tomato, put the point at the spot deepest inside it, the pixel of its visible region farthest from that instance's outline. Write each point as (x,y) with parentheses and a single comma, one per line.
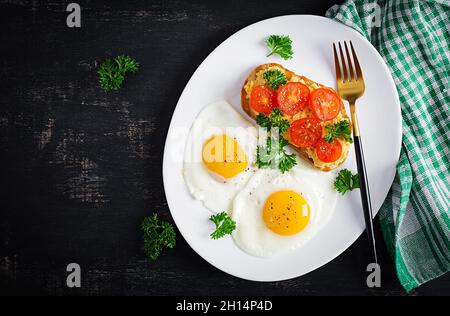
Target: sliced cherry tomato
(328,152)
(325,104)
(292,97)
(263,99)
(305,132)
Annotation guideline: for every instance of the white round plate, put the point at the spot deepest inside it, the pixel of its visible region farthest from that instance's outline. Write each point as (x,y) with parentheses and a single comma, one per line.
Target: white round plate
(221,76)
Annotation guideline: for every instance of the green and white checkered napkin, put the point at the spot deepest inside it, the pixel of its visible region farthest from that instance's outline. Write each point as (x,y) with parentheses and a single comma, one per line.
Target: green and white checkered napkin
(413,37)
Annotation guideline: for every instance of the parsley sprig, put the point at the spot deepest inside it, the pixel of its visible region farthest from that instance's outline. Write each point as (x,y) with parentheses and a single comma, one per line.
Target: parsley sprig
(274,119)
(275,78)
(224,225)
(158,235)
(341,129)
(112,71)
(281,45)
(273,154)
(346,181)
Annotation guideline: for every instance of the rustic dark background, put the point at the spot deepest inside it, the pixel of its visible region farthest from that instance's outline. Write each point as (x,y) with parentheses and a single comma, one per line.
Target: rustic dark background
(80,167)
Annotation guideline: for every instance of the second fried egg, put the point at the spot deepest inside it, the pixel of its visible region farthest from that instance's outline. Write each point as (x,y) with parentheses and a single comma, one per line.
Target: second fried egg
(276,213)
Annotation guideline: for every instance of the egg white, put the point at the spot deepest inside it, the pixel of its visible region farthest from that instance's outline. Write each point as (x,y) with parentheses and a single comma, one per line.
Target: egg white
(218,118)
(253,236)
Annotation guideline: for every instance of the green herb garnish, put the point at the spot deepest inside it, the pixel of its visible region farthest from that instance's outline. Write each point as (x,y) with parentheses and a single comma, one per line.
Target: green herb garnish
(274,156)
(112,71)
(281,45)
(341,129)
(275,78)
(346,181)
(158,235)
(224,225)
(275,119)
(287,162)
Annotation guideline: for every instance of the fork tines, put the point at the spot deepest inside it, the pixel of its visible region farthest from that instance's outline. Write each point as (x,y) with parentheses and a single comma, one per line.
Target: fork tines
(350,70)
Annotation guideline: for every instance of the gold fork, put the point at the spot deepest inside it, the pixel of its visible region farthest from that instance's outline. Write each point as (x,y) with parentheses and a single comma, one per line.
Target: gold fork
(350,86)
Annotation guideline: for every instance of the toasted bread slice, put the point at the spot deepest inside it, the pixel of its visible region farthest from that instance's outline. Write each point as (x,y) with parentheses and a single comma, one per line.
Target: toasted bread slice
(309,153)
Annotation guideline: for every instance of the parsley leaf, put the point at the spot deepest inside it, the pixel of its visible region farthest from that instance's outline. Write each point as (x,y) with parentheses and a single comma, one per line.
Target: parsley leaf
(287,162)
(341,129)
(274,156)
(158,235)
(281,45)
(224,225)
(275,119)
(264,156)
(346,181)
(283,142)
(112,71)
(263,121)
(275,78)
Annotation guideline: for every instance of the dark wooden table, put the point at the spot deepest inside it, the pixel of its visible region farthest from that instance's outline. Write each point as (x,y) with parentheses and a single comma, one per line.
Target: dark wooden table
(80,167)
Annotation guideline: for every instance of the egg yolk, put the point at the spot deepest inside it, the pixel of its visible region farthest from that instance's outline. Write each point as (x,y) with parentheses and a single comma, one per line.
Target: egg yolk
(286,212)
(223,156)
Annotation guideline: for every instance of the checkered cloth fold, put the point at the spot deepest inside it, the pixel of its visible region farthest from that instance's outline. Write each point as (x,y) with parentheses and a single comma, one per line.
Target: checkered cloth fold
(413,37)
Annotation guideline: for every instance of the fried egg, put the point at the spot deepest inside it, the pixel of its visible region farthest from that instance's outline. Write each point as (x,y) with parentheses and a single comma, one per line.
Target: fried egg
(276,213)
(220,155)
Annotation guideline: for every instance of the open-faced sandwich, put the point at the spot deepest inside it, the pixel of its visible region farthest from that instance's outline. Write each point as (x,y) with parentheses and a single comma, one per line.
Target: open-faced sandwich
(319,129)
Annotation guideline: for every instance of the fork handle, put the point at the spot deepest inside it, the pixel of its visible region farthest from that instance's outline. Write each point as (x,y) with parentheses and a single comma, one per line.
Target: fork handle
(363,181)
(365,193)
